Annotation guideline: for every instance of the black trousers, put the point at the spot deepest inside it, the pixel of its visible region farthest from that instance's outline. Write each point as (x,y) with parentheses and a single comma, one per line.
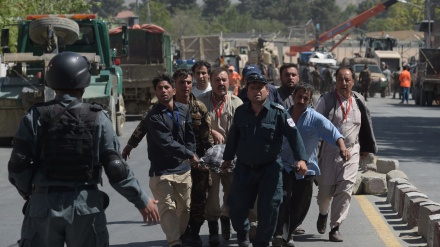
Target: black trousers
(297,196)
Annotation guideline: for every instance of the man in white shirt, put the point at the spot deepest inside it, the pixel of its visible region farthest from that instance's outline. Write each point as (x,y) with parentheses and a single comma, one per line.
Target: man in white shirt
(201,70)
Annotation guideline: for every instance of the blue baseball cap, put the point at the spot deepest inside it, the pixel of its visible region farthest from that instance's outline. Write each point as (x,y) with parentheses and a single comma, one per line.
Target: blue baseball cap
(250,69)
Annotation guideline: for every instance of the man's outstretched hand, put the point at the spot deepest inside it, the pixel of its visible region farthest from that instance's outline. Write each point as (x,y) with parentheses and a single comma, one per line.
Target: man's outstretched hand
(150,213)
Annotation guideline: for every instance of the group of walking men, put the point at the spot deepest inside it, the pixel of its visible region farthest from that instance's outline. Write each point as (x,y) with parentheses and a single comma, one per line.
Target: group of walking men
(269,157)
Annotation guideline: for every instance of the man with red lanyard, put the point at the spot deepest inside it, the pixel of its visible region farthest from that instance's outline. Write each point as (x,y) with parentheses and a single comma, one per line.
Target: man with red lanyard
(346,109)
(221,106)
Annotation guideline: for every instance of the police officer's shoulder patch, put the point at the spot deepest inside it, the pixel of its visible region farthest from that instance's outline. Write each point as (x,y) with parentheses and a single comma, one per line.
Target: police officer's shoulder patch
(276,105)
(291,122)
(96,107)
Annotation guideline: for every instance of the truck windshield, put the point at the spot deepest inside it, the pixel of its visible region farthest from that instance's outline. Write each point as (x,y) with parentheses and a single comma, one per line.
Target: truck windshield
(373,68)
(86,36)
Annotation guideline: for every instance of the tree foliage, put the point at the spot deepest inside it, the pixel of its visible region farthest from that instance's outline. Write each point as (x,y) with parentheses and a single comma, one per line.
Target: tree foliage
(185,17)
(213,8)
(108,8)
(159,14)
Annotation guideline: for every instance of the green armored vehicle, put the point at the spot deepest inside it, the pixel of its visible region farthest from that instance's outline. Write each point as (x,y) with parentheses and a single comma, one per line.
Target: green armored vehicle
(40,38)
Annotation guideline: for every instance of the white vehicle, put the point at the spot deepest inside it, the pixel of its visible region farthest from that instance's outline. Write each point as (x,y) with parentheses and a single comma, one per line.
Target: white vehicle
(322,58)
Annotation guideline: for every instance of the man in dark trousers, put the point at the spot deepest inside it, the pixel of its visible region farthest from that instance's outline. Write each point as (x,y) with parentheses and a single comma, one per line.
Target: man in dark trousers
(60,149)
(298,189)
(256,137)
(364,81)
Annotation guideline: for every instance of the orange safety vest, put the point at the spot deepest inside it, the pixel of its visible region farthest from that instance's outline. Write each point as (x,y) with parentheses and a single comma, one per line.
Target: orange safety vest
(405,79)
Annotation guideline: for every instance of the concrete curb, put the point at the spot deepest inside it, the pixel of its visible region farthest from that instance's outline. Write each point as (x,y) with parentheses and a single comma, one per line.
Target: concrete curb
(414,207)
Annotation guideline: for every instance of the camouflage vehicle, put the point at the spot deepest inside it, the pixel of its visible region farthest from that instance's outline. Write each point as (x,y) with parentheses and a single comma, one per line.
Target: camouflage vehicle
(148,53)
(41,37)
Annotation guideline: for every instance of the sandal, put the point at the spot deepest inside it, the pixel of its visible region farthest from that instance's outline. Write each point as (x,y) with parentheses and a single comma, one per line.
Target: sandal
(299,231)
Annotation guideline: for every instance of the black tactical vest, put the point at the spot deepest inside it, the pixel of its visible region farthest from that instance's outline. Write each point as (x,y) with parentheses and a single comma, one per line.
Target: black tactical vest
(67,144)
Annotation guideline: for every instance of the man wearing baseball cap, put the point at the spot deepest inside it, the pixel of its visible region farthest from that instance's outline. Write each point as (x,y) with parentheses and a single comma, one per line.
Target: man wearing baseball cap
(252,69)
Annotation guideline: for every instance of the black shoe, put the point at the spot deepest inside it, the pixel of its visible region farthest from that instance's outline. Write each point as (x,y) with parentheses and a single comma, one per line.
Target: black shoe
(226,227)
(278,241)
(321,224)
(334,235)
(213,233)
(186,240)
(196,241)
(214,240)
(243,239)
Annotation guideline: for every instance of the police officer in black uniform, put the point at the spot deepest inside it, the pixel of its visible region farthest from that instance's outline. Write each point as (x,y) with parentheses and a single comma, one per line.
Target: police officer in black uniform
(256,137)
(56,163)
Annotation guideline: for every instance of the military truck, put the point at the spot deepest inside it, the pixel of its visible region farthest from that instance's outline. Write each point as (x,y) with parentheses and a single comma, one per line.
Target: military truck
(217,50)
(379,82)
(426,88)
(41,37)
(148,53)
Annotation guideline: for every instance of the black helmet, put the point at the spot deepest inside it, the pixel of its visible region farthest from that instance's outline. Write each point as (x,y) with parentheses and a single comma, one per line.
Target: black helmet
(68,70)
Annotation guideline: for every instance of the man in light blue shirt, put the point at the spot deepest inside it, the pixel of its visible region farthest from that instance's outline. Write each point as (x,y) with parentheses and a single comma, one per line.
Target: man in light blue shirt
(298,189)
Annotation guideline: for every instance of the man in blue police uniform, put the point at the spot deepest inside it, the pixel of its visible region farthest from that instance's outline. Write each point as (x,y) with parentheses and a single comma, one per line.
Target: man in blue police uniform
(252,69)
(256,137)
(59,151)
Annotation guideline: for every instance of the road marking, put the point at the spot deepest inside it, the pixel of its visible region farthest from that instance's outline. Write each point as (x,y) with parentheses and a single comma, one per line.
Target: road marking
(376,220)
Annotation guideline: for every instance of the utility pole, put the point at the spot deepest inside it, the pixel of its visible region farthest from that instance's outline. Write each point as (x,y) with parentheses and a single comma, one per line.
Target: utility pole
(148,12)
(428,13)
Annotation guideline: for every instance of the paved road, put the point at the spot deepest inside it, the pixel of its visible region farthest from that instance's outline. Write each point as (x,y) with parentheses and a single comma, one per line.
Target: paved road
(405,132)
(410,134)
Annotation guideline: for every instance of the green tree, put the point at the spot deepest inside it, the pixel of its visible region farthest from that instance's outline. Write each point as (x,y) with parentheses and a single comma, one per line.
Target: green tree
(326,13)
(187,23)
(176,5)
(213,8)
(233,21)
(108,8)
(159,14)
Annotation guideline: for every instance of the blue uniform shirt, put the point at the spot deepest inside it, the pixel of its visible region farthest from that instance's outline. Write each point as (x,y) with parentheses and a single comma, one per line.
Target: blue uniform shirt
(312,126)
(257,139)
(30,131)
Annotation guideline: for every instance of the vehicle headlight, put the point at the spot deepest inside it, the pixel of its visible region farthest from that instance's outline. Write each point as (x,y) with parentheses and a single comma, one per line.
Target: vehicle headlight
(382,79)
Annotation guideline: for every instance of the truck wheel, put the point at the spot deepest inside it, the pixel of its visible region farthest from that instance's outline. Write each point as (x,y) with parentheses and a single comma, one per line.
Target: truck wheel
(66,30)
(416,96)
(372,93)
(120,117)
(423,95)
(112,111)
(429,98)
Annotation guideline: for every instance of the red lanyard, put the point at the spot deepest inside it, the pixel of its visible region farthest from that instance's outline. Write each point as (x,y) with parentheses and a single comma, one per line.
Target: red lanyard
(344,113)
(220,109)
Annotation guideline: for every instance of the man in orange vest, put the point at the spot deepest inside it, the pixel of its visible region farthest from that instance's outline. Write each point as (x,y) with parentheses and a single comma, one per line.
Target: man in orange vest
(405,83)
(234,79)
